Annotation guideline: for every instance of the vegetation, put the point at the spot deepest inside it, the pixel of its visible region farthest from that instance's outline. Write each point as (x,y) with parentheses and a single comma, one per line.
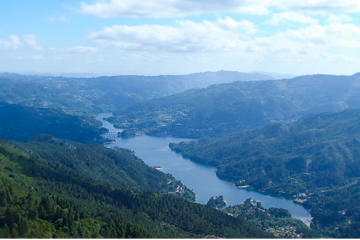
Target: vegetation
(315,159)
(274,220)
(88,96)
(218,202)
(336,211)
(126,134)
(20,123)
(230,107)
(52,188)
(44,200)
(118,167)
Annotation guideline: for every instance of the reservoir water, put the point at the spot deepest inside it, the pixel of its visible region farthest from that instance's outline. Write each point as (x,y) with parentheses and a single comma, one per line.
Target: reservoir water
(155,151)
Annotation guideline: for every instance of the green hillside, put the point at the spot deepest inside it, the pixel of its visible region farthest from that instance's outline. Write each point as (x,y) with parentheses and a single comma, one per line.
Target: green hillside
(313,159)
(43,199)
(323,149)
(20,123)
(87,96)
(118,167)
(235,106)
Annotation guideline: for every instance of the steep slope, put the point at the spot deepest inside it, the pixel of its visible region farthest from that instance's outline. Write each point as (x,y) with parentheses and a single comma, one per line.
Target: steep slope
(41,199)
(318,151)
(240,105)
(118,167)
(20,123)
(315,159)
(93,95)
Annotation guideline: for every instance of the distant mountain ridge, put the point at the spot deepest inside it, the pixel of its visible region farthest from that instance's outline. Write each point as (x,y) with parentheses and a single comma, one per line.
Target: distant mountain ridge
(230,107)
(94,95)
(277,75)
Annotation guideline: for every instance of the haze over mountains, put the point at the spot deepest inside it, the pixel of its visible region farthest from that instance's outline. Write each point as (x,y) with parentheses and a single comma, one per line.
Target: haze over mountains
(295,137)
(93,95)
(240,105)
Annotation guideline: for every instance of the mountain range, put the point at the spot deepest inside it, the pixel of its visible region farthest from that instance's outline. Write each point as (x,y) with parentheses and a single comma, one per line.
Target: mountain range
(229,107)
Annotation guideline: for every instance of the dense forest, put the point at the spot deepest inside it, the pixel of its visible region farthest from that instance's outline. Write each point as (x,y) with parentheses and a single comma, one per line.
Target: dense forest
(119,167)
(44,199)
(20,123)
(274,220)
(289,137)
(87,96)
(309,159)
(230,107)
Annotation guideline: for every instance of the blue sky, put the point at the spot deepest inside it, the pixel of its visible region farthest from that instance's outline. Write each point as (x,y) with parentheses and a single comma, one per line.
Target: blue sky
(155,37)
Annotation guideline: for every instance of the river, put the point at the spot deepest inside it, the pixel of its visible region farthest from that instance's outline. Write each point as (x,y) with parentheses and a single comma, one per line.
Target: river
(155,151)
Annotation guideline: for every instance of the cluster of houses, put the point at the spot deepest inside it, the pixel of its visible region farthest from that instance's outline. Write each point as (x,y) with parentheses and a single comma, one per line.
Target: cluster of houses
(289,232)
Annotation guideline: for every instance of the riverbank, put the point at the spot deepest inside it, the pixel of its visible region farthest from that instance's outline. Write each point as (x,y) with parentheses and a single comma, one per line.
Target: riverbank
(155,151)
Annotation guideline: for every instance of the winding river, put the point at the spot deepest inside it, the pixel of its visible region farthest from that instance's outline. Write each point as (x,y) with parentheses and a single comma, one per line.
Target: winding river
(154,151)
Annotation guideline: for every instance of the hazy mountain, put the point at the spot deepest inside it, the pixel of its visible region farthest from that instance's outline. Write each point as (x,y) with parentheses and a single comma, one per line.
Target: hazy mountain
(240,105)
(277,75)
(91,95)
(44,74)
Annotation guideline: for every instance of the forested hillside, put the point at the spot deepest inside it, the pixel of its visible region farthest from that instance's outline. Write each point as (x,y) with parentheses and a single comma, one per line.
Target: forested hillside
(20,123)
(323,149)
(43,199)
(87,96)
(315,159)
(235,106)
(118,167)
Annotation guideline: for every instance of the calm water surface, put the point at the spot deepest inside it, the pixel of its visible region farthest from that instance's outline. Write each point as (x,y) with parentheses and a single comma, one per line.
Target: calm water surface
(155,151)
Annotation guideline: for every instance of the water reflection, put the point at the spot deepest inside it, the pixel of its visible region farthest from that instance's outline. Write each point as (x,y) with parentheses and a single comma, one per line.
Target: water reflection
(154,151)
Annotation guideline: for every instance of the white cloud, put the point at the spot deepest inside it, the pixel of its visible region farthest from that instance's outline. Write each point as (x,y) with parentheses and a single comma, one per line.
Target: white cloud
(13,42)
(82,50)
(342,18)
(181,8)
(76,50)
(61,18)
(223,40)
(32,42)
(170,8)
(313,42)
(231,24)
(284,17)
(188,36)
(319,6)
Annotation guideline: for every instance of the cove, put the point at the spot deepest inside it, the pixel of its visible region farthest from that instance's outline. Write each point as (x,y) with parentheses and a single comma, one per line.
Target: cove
(155,151)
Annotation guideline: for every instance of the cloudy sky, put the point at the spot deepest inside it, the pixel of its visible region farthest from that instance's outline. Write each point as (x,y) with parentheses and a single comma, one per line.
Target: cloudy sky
(155,37)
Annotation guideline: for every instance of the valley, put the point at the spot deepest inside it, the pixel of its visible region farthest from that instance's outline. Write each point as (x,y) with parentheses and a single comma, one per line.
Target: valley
(288,147)
(180,119)
(154,151)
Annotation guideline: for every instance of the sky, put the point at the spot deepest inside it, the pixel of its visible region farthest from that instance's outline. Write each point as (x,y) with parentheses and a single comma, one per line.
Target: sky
(160,37)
